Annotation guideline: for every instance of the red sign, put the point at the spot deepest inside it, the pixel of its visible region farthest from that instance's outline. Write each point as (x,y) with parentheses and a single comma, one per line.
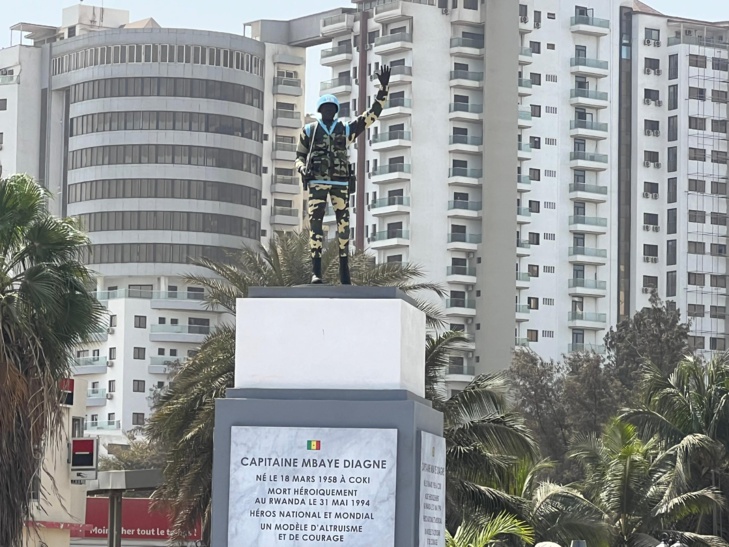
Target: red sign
(138,520)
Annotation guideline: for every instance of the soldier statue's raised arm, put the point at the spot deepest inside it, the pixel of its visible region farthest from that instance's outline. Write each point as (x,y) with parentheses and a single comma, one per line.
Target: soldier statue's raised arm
(323,162)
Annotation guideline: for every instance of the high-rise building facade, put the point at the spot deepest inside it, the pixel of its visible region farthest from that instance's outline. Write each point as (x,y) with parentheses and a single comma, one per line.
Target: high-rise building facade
(593,107)
(169,145)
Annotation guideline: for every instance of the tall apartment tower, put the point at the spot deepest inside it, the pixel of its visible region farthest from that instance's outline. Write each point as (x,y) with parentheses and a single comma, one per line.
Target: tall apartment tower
(675,116)
(158,141)
(438,189)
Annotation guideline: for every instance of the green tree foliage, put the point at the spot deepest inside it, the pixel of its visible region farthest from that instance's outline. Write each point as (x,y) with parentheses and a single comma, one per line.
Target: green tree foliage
(484,532)
(138,453)
(46,311)
(654,334)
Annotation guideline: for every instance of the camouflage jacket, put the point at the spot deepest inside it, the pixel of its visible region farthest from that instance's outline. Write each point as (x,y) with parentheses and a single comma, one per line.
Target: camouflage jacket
(329,156)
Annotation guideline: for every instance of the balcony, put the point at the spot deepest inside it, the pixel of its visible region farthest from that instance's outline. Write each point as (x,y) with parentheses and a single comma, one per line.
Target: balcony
(524,151)
(461,307)
(282,184)
(465,144)
(393,43)
(524,87)
(522,312)
(523,280)
(466,79)
(397,107)
(523,183)
(467,47)
(588,161)
(523,215)
(9,80)
(189,334)
(394,172)
(593,68)
(463,242)
(161,364)
(113,425)
(596,348)
(587,129)
(88,365)
(525,56)
(525,26)
(460,370)
(400,74)
(287,118)
(465,112)
(588,225)
(338,25)
(284,151)
(592,26)
(337,86)
(391,140)
(285,216)
(336,55)
(390,239)
(465,275)
(588,192)
(391,12)
(523,248)
(587,255)
(587,287)
(521,342)
(96,397)
(178,300)
(463,176)
(464,209)
(586,320)
(287,86)
(525,119)
(392,205)
(589,98)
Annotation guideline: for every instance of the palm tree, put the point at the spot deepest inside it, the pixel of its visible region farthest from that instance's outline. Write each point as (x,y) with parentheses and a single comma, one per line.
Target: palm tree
(688,411)
(46,311)
(485,532)
(183,418)
(633,483)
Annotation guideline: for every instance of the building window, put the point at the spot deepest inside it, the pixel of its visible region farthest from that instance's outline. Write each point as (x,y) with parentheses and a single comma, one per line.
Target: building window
(533,303)
(696,342)
(717,281)
(650,218)
(650,250)
(533,335)
(536,78)
(111,386)
(140,322)
(717,312)
(696,279)
(698,61)
(533,270)
(652,34)
(3,104)
(697,123)
(696,247)
(650,281)
(673,128)
(718,63)
(672,97)
(718,188)
(698,93)
(535,142)
(139,353)
(717,126)
(671,252)
(718,219)
(673,67)
(536,47)
(697,154)
(535,174)
(719,96)
(173,353)
(138,386)
(695,310)
(718,249)
(717,344)
(670,283)
(137,418)
(672,196)
(112,320)
(697,185)
(534,238)
(536,111)
(672,166)
(719,156)
(697,216)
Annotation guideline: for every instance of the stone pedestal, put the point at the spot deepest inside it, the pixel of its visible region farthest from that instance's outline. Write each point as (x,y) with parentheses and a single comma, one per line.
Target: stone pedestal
(326,438)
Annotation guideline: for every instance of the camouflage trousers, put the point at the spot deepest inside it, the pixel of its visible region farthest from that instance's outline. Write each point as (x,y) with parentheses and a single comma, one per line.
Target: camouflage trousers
(317,208)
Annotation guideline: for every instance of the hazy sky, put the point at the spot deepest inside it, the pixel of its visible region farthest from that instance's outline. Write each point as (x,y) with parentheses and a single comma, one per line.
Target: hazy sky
(229,15)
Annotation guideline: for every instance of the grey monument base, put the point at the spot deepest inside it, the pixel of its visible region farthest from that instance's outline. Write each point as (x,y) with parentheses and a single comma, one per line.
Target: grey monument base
(368,409)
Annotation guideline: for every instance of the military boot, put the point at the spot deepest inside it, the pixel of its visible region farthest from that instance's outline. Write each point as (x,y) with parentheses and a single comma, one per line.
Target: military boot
(344,270)
(316,268)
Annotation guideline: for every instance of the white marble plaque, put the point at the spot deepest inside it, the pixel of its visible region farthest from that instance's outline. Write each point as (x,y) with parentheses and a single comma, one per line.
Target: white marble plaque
(432,491)
(296,487)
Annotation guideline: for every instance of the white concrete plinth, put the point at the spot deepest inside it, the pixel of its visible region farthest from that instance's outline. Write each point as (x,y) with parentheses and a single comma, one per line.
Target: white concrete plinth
(329,343)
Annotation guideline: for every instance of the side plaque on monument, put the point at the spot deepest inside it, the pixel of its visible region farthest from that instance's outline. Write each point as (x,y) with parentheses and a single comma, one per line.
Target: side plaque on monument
(294,487)
(432,490)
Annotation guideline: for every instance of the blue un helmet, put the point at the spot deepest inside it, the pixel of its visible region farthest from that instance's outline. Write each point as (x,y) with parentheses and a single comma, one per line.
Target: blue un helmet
(327,99)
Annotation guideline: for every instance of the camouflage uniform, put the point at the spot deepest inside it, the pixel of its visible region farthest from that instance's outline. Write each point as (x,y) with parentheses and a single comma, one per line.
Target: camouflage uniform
(329,167)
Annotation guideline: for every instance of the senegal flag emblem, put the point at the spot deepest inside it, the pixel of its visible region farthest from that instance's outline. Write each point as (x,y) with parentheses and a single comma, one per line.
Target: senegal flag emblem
(313,445)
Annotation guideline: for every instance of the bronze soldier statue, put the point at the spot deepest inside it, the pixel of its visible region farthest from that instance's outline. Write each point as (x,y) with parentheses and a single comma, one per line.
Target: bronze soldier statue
(323,162)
